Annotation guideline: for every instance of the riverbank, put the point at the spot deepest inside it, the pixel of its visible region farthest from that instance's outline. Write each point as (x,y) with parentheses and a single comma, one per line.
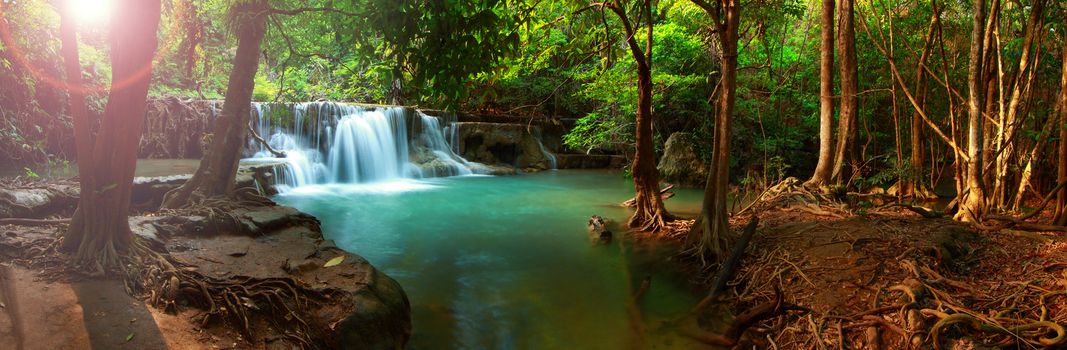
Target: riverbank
(250,274)
(889,278)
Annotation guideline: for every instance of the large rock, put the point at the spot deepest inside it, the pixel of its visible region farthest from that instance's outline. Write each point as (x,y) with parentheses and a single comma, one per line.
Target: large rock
(681,164)
(503,144)
(60,196)
(37,199)
(590,161)
(368,310)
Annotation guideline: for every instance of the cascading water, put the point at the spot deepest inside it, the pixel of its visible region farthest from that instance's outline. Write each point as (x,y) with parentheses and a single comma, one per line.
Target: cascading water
(326,142)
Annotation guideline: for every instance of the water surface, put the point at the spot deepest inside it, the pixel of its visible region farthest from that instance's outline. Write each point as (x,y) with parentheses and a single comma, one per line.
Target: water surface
(505,262)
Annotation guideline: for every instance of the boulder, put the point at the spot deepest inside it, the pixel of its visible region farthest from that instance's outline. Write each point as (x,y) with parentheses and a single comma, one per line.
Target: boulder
(37,199)
(681,164)
(513,145)
(368,310)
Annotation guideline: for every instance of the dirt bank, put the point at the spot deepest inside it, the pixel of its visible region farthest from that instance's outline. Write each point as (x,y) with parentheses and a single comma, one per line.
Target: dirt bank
(248,275)
(891,279)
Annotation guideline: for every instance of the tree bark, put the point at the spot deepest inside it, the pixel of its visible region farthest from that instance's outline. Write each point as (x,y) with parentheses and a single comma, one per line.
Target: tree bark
(215,175)
(824,168)
(914,187)
(972,200)
(1010,124)
(712,228)
(1061,168)
(649,214)
(846,128)
(99,232)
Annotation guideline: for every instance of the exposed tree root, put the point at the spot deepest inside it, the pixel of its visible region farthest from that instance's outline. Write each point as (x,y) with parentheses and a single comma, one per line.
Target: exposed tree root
(284,302)
(664,194)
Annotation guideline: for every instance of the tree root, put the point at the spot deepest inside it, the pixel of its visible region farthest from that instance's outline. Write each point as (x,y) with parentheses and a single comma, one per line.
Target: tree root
(284,302)
(742,322)
(664,194)
(946,320)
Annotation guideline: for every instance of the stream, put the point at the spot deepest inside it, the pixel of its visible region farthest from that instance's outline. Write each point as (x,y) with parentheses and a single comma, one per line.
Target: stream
(505,262)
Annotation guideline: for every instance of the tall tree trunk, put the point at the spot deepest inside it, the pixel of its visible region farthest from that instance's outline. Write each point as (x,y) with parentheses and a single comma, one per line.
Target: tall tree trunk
(846,128)
(649,215)
(1022,81)
(1061,168)
(712,228)
(215,175)
(824,169)
(914,186)
(972,200)
(99,232)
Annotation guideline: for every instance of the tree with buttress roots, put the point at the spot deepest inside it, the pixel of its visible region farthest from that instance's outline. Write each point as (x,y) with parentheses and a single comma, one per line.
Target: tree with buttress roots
(215,175)
(650,215)
(99,234)
(711,232)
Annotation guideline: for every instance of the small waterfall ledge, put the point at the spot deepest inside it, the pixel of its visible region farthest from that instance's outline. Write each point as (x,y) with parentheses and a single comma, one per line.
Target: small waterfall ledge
(330,142)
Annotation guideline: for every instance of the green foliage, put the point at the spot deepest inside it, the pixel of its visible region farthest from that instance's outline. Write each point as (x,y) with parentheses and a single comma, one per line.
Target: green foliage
(30,173)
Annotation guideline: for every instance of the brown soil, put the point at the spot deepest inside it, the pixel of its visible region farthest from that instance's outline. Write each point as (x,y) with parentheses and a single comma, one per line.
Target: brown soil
(844,278)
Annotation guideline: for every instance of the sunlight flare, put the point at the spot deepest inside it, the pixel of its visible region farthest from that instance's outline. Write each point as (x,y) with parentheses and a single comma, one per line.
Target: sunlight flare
(92,12)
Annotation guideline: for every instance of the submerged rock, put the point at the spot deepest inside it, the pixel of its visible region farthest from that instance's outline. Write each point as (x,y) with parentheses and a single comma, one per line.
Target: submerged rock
(681,164)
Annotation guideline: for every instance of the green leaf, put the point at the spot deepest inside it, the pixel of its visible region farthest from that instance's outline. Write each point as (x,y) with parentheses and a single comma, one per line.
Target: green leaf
(129,337)
(335,261)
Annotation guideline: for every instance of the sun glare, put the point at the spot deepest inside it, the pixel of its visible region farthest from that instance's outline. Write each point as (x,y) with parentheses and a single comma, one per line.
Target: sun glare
(91,12)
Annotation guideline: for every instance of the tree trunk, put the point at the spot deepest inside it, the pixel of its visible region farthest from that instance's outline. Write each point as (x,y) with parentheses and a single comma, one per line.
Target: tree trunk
(1061,168)
(824,169)
(712,229)
(649,214)
(972,200)
(215,175)
(914,186)
(846,128)
(99,232)
(1010,124)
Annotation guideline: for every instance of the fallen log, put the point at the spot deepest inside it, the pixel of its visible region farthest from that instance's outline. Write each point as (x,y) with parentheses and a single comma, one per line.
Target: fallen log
(664,194)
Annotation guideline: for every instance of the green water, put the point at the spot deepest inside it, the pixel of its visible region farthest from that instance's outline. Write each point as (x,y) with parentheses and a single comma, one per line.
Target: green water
(505,262)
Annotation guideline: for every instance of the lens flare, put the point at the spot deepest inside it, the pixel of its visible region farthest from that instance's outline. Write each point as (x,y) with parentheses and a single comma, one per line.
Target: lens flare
(91,12)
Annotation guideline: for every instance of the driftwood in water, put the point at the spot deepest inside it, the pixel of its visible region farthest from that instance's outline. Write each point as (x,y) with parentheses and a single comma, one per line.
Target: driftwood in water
(664,194)
(728,268)
(742,322)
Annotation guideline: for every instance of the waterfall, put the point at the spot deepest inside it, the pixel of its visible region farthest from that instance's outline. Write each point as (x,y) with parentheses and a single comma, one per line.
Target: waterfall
(326,142)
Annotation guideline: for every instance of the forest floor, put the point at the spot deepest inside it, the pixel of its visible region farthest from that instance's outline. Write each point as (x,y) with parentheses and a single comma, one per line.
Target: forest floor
(891,279)
(244,274)
(42,311)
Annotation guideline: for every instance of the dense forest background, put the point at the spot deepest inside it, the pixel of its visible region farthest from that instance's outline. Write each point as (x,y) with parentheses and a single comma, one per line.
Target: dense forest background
(553,58)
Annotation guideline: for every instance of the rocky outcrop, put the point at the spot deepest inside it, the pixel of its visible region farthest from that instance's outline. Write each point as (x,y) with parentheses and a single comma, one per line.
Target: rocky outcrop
(37,199)
(681,164)
(503,144)
(367,310)
(175,129)
(590,161)
(60,197)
